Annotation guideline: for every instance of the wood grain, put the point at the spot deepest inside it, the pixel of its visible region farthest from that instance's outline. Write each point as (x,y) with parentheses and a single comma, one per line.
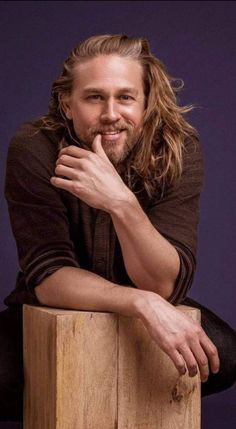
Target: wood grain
(151,393)
(70,361)
(94,370)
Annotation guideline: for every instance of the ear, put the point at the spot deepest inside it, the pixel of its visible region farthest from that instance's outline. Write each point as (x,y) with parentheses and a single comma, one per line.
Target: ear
(64,102)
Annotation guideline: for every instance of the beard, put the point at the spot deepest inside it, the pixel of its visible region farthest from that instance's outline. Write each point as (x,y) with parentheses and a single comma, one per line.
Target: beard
(116,152)
(117,157)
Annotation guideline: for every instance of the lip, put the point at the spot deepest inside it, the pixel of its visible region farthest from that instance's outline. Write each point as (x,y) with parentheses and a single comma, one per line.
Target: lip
(112,137)
(113,130)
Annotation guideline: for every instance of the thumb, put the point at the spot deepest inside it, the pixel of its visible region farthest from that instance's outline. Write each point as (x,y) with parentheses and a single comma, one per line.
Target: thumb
(97,146)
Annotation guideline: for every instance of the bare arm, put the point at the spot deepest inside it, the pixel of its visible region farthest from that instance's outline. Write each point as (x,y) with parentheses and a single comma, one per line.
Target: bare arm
(79,289)
(144,249)
(150,260)
(43,218)
(182,339)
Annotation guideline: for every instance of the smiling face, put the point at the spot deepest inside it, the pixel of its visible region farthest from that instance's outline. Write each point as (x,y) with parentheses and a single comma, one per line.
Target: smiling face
(107,99)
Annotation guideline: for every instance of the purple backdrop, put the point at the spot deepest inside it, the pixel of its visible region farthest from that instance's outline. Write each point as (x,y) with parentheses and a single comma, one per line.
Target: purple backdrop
(196,40)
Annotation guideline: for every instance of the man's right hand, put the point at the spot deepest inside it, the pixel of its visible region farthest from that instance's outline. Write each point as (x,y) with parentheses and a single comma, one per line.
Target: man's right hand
(180,337)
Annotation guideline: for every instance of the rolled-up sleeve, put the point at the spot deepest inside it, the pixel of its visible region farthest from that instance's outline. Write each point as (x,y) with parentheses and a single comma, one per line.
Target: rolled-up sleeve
(176,217)
(37,213)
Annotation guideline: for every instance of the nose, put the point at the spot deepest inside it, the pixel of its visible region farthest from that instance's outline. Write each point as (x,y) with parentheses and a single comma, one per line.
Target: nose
(110,112)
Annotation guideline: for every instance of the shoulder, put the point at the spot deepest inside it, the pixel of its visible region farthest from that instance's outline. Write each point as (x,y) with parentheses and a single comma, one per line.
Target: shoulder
(190,181)
(192,153)
(30,143)
(31,136)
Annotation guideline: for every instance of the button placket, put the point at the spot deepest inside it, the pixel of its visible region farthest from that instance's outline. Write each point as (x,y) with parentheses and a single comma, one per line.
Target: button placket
(101,243)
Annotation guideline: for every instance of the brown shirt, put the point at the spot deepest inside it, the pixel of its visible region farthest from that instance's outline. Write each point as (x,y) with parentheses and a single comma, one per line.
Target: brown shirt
(53,228)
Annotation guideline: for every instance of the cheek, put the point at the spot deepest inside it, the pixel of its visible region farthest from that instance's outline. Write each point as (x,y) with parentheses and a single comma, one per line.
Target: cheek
(138,120)
(83,119)
(134,114)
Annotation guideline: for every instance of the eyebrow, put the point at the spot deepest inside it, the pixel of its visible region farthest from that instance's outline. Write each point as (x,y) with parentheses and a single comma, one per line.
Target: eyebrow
(101,90)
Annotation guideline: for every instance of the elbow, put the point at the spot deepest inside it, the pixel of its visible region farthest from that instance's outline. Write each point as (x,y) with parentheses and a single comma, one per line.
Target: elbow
(41,294)
(162,287)
(167,290)
(45,291)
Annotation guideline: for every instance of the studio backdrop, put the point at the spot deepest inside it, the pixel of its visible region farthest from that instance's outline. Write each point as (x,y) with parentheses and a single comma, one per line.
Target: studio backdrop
(196,41)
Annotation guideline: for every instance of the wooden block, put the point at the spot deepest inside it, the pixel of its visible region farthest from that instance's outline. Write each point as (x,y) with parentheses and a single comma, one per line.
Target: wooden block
(151,393)
(70,364)
(94,370)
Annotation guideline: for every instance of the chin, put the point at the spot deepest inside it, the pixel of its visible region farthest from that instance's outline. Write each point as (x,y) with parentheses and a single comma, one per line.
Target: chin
(116,158)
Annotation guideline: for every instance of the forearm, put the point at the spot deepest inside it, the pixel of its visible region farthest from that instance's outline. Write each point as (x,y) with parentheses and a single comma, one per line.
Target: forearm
(79,289)
(151,261)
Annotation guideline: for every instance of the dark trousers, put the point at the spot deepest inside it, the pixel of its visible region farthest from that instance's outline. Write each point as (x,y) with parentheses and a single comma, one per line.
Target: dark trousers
(11,360)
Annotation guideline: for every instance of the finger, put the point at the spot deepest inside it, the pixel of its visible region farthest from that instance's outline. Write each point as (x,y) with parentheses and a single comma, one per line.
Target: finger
(201,359)
(74,187)
(189,359)
(211,352)
(68,172)
(69,161)
(75,151)
(178,361)
(97,146)
(58,182)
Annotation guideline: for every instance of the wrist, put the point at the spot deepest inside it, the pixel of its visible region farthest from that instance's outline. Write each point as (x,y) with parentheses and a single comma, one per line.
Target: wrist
(143,304)
(121,203)
(122,207)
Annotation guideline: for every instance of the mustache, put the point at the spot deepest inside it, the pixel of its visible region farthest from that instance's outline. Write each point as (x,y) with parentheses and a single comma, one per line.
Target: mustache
(121,127)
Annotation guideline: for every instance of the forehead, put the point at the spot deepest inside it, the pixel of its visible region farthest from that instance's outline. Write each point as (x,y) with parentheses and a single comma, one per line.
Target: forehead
(109,71)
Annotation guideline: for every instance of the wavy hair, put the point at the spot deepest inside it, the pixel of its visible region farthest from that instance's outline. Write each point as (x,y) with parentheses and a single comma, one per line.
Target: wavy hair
(157,158)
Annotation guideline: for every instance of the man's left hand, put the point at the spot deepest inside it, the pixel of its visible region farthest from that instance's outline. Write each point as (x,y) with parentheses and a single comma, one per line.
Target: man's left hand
(90,176)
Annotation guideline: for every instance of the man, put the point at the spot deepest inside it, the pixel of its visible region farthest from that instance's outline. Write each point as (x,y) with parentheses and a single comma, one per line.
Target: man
(103,196)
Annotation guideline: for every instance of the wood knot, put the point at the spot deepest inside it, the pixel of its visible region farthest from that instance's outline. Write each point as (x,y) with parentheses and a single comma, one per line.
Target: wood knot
(181,390)
(177,396)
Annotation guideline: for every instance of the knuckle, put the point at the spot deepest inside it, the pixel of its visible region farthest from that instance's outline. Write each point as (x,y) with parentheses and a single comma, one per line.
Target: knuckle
(181,344)
(76,188)
(203,362)
(180,339)
(168,345)
(68,150)
(58,168)
(89,155)
(197,330)
(63,158)
(65,151)
(181,368)
(190,335)
(213,352)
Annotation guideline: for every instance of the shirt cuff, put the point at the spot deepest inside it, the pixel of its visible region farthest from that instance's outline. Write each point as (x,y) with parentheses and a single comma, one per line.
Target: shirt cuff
(45,265)
(185,277)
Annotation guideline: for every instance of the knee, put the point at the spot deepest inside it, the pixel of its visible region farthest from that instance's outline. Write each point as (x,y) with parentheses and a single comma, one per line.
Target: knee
(227,354)
(226,377)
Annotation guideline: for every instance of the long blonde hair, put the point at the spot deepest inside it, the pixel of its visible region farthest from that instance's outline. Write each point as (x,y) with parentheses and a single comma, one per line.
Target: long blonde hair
(157,159)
